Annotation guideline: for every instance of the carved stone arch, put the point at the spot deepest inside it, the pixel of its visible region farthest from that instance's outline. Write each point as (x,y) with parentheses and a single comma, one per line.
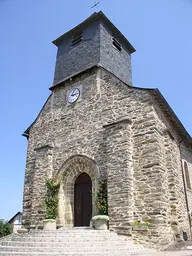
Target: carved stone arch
(67,176)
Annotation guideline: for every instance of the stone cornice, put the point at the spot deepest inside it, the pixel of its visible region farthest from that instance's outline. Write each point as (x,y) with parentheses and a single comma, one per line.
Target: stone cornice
(47,146)
(118,122)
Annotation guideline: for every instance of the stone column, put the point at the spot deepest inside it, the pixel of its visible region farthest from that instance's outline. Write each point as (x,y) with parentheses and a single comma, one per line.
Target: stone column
(177,202)
(150,179)
(42,171)
(61,207)
(28,191)
(118,138)
(172,163)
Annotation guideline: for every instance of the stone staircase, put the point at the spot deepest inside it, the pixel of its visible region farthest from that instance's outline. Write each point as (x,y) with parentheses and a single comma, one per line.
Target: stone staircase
(71,242)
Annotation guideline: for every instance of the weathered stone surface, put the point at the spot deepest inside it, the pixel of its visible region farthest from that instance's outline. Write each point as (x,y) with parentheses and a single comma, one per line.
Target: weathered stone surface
(63,242)
(113,131)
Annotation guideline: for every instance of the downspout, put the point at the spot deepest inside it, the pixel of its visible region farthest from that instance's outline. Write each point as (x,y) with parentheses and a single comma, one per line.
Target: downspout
(185,191)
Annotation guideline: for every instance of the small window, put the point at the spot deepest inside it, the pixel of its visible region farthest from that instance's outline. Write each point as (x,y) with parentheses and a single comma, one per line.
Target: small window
(77,38)
(117,44)
(187,178)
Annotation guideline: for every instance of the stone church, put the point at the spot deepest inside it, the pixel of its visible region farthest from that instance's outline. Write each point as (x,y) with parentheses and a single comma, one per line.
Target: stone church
(95,124)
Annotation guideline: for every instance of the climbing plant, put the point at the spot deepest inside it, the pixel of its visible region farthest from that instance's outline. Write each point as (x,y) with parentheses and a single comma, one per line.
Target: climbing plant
(51,200)
(101,199)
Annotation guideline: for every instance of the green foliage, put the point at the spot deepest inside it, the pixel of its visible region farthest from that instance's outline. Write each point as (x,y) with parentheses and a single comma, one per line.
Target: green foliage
(5,228)
(51,200)
(137,223)
(101,199)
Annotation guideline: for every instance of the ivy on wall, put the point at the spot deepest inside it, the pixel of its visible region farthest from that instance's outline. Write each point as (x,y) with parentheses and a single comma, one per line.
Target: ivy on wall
(101,199)
(51,200)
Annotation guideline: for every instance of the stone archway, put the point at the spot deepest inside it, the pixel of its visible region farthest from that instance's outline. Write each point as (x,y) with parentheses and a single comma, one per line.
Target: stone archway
(67,176)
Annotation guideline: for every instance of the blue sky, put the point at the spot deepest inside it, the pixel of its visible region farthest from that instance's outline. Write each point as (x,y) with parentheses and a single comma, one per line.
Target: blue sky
(160,30)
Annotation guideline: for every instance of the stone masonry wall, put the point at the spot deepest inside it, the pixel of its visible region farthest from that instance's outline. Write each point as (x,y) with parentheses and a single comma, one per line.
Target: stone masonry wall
(28,187)
(177,208)
(78,129)
(150,180)
(42,171)
(175,151)
(118,137)
(120,131)
(186,153)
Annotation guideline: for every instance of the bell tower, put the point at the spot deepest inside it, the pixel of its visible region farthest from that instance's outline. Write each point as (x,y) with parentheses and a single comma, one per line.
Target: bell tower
(94,42)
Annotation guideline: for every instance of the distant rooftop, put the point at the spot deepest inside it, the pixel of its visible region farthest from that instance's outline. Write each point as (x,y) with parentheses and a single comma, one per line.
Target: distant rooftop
(12,219)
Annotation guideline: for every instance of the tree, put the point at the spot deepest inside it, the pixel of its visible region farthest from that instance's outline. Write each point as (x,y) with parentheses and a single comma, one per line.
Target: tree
(5,228)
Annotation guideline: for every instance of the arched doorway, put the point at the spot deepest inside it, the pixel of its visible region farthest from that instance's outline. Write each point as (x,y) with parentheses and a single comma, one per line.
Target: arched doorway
(82,200)
(67,176)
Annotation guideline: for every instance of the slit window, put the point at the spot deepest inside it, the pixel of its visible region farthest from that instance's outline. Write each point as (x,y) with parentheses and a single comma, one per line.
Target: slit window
(116,44)
(187,178)
(77,38)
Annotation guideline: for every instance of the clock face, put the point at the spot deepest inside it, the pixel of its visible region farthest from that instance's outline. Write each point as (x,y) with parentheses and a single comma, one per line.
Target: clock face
(73,95)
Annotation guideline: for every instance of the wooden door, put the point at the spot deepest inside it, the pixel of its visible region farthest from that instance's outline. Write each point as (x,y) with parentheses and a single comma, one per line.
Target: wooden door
(82,200)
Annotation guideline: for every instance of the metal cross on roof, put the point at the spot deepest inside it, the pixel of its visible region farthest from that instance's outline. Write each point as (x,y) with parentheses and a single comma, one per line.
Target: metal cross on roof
(96,3)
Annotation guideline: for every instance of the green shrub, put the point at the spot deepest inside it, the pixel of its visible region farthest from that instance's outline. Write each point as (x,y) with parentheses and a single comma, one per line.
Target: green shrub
(51,200)
(5,228)
(137,223)
(101,199)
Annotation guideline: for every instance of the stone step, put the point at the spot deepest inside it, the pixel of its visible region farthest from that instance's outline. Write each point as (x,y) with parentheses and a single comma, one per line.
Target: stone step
(58,254)
(93,236)
(80,242)
(75,254)
(75,231)
(59,239)
(77,248)
(70,236)
(67,234)
(81,254)
(50,249)
(73,245)
(91,244)
(74,251)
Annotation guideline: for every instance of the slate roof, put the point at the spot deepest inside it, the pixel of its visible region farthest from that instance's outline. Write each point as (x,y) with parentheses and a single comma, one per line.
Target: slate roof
(97,16)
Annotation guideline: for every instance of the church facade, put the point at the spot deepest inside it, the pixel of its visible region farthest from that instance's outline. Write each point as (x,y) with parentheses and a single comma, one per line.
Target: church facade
(95,125)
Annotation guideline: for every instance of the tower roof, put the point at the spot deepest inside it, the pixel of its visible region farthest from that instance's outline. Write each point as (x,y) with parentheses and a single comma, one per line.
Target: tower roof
(97,16)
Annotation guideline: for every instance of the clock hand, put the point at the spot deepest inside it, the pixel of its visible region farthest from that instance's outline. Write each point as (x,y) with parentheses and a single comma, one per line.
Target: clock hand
(73,93)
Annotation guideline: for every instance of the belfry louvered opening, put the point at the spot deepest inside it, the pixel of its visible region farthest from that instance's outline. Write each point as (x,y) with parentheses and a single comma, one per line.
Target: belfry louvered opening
(116,44)
(77,38)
